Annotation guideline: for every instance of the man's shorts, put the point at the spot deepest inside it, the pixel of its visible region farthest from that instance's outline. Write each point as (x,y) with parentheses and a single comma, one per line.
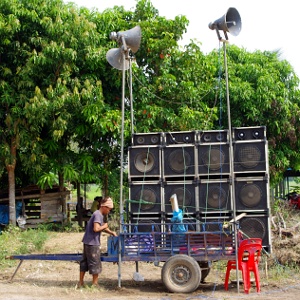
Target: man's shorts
(91,260)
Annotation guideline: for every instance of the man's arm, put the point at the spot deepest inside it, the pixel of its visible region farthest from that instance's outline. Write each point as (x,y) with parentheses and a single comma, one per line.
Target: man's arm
(98,227)
(107,230)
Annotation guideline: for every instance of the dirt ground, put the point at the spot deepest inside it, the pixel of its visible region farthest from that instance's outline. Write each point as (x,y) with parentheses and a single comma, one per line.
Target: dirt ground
(56,280)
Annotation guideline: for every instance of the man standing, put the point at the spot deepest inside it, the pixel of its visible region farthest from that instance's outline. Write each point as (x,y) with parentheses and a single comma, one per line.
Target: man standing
(91,260)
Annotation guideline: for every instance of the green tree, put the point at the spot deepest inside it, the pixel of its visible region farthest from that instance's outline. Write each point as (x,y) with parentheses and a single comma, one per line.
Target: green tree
(264,90)
(51,95)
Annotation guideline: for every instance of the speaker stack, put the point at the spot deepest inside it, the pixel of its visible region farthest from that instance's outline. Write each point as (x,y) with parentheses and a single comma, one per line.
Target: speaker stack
(215,203)
(195,165)
(145,203)
(160,165)
(251,175)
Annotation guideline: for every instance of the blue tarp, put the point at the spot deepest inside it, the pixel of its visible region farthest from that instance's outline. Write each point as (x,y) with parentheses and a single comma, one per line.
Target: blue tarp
(4,212)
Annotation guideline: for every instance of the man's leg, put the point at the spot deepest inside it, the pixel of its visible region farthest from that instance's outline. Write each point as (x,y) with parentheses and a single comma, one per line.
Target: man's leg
(81,278)
(95,279)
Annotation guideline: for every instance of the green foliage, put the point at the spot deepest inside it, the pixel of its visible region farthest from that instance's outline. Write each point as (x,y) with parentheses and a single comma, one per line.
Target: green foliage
(60,112)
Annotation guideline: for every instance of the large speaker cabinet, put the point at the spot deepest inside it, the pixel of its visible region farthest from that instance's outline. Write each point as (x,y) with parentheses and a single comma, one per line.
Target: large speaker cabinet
(250,150)
(147,139)
(252,194)
(214,196)
(250,156)
(257,226)
(249,133)
(186,192)
(179,161)
(180,137)
(144,162)
(145,197)
(213,153)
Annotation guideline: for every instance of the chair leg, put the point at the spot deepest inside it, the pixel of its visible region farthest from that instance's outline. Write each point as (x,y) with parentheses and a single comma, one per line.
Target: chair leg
(227,277)
(257,278)
(246,278)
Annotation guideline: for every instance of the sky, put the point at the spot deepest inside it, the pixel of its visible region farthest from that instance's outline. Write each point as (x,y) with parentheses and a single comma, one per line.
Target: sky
(266,24)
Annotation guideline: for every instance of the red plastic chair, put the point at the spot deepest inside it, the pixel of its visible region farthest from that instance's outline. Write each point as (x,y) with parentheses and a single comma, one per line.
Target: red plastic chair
(249,253)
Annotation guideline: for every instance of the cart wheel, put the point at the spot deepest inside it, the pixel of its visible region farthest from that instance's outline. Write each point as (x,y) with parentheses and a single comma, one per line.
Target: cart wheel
(181,274)
(205,269)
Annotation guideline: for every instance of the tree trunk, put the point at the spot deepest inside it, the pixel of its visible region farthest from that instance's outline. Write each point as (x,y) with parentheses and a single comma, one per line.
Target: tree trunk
(105,191)
(11,182)
(61,189)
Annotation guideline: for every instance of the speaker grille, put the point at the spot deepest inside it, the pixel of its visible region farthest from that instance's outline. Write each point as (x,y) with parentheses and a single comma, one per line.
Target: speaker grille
(179,161)
(251,193)
(213,159)
(145,198)
(214,196)
(254,228)
(144,161)
(250,156)
(185,193)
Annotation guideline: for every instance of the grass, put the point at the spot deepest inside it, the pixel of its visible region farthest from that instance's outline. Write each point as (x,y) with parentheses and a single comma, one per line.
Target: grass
(15,241)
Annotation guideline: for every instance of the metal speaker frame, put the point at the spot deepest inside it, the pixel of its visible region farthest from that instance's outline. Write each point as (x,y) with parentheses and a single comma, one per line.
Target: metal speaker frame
(145,197)
(186,195)
(250,156)
(249,133)
(181,137)
(214,196)
(252,194)
(144,162)
(179,161)
(213,159)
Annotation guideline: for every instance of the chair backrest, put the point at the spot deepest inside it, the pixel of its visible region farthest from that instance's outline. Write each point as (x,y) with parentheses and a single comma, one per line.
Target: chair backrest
(249,251)
(250,241)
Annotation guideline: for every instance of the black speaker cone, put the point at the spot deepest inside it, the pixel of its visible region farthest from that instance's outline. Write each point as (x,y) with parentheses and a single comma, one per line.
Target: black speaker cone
(214,159)
(216,197)
(179,160)
(250,195)
(147,199)
(144,162)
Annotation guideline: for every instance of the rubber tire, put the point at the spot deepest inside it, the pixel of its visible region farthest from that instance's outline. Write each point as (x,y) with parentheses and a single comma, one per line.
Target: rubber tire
(190,268)
(205,270)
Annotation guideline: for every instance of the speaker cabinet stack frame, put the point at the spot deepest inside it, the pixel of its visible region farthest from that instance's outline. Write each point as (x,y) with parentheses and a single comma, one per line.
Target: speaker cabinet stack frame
(195,165)
(251,176)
